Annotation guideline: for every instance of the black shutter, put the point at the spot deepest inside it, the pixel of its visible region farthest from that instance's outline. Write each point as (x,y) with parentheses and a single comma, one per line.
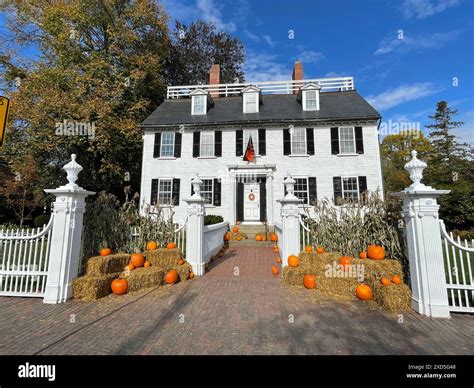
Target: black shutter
(337,183)
(240,201)
(286,142)
(218,143)
(334,141)
(313,191)
(154,192)
(310,141)
(239,142)
(362,185)
(217,192)
(192,189)
(262,142)
(263,200)
(284,190)
(196,144)
(359,140)
(177,144)
(156,147)
(175,192)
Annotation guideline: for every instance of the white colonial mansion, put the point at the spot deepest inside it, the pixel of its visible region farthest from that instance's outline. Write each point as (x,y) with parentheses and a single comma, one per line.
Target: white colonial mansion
(320,131)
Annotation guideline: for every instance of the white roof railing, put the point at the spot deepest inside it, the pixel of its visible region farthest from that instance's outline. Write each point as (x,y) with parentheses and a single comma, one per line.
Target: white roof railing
(269,87)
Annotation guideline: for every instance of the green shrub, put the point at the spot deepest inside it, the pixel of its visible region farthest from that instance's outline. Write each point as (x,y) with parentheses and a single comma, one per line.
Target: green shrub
(211,219)
(41,220)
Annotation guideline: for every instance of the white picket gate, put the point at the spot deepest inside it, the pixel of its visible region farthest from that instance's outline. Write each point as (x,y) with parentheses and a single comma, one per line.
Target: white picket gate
(458,261)
(24,260)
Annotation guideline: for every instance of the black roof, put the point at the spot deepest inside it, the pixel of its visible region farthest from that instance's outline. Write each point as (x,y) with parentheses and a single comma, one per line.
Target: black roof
(348,105)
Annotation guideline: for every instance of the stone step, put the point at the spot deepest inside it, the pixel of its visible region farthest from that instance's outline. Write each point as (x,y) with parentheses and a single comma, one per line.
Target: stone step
(251,242)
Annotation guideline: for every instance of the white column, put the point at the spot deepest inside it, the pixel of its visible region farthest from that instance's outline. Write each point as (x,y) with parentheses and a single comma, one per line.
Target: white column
(270,197)
(195,229)
(425,254)
(66,236)
(232,198)
(290,222)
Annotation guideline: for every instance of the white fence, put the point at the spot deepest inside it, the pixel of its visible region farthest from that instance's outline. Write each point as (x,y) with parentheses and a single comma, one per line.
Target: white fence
(269,87)
(24,260)
(279,234)
(213,239)
(458,260)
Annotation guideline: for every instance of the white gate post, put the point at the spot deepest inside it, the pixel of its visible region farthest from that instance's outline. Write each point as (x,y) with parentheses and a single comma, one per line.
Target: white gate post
(290,213)
(195,228)
(425,254)
(66,236)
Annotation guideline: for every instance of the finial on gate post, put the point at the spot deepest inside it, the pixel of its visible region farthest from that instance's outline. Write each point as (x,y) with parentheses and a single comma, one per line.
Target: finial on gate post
(415,167)
(289,183)
(196,182)
(72,170)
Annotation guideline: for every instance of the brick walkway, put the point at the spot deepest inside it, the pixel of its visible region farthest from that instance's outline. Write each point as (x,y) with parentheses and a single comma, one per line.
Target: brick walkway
(225,313)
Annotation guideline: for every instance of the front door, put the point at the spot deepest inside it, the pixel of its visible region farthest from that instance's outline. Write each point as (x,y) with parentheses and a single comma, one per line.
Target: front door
(251,202)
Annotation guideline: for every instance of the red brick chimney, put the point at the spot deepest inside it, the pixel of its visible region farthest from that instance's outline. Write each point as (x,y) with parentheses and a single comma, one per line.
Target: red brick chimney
(297,73)
(214,78)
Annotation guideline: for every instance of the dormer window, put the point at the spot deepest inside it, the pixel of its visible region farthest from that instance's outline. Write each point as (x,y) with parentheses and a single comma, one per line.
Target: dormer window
(309,96)
(251,99)
(200,101)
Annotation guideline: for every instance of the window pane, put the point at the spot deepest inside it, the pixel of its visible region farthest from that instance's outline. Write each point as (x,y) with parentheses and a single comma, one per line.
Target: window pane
(164,192)
(310,99)
(298,141)
(206,190)
(167,144)
(346,140)
(251,102)
(301,189)
(207,143)
(254,133)
(350,189)
(199,102)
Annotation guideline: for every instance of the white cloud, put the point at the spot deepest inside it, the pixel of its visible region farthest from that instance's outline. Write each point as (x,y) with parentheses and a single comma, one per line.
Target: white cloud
(252,37)
(264,67)
(466,131)
(411,43)
(269,40)
(334,74)
(401,95)
(210,12)
(310,56)
(420,9)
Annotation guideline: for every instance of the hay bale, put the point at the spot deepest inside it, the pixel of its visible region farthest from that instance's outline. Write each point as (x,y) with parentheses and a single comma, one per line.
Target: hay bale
(144,278)
(393,298)
(374,270)
(183,271)
(105,265)
(163,257)
(343,288)
(89,288)
(316,263)
(293,276)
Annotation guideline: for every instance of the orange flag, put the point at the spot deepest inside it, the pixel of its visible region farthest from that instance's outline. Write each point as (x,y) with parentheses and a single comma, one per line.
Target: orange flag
(249,152)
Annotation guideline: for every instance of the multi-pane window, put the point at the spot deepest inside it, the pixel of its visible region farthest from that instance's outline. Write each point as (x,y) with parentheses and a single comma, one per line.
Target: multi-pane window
(207,143)
(251,101)
(207,190)
(347,140)
(298,141)
(167,144)
(254,134)
(310,99)
(301,189)
(199,105)
(164,191)
(350,189)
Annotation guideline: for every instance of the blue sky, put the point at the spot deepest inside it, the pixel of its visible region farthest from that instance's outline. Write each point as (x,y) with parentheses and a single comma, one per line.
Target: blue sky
(405,55)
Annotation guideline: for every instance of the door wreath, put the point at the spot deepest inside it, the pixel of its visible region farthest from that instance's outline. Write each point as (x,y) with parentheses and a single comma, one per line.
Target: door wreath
(251,196)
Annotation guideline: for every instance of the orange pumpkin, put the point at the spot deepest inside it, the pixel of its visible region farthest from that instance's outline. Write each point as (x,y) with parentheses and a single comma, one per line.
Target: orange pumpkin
(293,261)
(320,250)
(363,255)
(119,286)
(129,267)
(147,264)
(275,270)
(105,251)
(191,275)
(171,277)
(308,248)
(345,262)
(235,229)
(396,279)
(151,245)
(274,237)
(171,245)
(227,236)
(364,292)
(258,237)
(137,260)
(238,238)
(279,260)
(309,281)
(180,262)
(385,281)
(376,252)
(275,249)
